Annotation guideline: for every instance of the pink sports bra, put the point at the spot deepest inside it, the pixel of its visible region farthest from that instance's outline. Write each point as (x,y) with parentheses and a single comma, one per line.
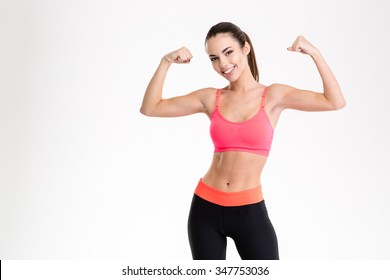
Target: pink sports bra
(253,135)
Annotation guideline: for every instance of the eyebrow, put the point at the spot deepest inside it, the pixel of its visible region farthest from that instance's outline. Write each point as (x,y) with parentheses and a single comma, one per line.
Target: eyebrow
(212,55)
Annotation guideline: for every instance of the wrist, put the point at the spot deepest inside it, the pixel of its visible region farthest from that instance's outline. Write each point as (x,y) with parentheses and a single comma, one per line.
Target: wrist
(165,61)
(315,54)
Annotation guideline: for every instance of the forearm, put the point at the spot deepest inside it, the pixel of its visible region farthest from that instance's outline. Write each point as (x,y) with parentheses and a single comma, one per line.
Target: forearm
(153,93)
(332,90)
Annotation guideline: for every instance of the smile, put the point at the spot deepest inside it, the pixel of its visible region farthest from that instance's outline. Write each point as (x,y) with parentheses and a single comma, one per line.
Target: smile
(229,70)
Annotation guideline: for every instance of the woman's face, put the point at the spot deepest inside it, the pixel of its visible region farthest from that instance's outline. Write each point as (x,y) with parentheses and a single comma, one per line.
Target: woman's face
(226,55)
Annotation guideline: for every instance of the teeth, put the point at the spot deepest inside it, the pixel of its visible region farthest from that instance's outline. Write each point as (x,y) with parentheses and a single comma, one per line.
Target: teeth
(228,71)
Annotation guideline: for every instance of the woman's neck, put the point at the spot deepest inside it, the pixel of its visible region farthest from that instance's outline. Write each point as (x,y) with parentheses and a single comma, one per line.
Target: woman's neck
(244,83)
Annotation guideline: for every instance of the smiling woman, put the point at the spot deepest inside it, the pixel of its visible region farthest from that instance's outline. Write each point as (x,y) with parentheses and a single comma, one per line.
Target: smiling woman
(228,200)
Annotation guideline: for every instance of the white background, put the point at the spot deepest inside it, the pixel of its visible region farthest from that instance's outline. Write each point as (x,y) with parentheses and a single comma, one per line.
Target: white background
(83,175)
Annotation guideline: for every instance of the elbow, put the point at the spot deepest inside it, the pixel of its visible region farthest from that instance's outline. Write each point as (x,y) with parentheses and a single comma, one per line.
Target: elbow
(149,111)
(340,105)
(336,104)
(336,100)
(341,102)
(145,111)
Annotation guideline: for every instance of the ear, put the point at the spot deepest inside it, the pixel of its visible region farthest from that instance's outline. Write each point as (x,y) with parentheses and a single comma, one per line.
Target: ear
(246,48)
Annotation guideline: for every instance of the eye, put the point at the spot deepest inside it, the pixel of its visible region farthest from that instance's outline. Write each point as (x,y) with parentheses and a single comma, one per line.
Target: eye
(229,52)
(213,59)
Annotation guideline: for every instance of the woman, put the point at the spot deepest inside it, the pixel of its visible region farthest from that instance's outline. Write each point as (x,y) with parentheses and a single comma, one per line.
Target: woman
(228,200)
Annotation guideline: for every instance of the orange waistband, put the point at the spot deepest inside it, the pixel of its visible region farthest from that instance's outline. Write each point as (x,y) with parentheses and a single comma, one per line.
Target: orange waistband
(240,198)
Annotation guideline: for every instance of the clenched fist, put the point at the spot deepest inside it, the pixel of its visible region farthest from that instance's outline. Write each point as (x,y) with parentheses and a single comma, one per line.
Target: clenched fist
(303,46)
(182,55)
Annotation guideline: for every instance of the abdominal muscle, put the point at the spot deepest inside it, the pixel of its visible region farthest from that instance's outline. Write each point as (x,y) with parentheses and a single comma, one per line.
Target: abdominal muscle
(234,171)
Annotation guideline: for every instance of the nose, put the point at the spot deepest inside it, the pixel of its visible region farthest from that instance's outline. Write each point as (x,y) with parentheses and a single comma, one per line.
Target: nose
(222,63)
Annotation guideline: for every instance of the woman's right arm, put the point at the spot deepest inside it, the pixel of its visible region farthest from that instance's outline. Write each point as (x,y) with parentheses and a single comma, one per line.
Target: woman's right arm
(154,105)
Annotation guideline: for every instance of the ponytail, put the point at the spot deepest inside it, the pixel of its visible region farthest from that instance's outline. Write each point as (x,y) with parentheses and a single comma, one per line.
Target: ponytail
(252,59)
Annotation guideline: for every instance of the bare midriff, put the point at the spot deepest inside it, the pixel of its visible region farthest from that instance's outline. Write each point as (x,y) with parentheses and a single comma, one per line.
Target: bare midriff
(235,171)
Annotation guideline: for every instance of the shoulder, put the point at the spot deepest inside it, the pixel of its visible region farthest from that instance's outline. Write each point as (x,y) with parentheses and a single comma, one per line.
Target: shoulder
(277,93)
(279,89)
(202,94)
(205,91)
(207,97)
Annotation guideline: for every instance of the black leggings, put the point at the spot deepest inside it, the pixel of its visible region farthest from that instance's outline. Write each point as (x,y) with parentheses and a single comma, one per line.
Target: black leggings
(249,226)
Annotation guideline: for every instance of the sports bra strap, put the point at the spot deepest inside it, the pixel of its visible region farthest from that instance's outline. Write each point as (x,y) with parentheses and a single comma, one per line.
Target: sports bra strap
(263,97)
(218,95)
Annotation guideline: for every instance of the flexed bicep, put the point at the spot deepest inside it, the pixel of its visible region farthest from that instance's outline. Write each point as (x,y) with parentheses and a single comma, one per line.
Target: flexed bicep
(153,103)
(181,105)
(304,100)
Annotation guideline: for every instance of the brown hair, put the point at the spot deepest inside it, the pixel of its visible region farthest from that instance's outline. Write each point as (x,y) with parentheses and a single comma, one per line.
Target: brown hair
(241,37)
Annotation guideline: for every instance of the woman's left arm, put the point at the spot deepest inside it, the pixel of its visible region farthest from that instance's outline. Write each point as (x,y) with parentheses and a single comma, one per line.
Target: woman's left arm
(305,100)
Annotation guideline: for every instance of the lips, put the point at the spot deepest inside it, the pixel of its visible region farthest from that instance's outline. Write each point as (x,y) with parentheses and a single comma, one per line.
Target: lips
(229,71)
